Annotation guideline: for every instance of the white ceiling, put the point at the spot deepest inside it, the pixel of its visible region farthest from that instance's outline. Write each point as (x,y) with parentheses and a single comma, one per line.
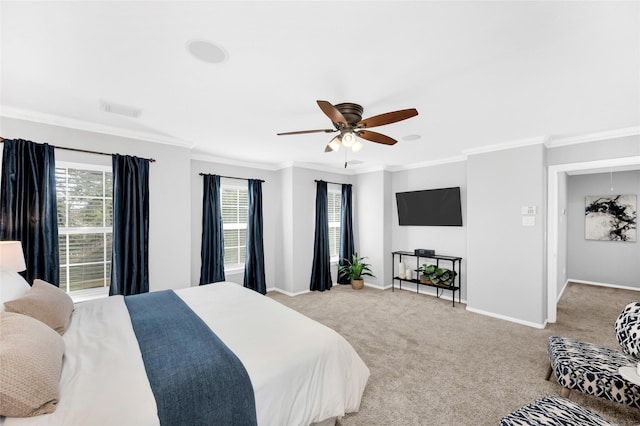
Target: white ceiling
(479,73)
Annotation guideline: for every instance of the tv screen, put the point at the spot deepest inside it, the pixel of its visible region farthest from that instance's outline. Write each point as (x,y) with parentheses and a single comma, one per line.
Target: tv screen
(431,207)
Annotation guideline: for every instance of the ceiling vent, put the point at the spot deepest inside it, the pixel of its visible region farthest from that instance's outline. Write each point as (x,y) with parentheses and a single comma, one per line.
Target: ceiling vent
(127,111)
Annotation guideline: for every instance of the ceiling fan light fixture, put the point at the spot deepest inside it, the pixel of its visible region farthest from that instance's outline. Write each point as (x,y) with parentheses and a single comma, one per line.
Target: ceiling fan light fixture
(357,146)
(335,143)
(348,139)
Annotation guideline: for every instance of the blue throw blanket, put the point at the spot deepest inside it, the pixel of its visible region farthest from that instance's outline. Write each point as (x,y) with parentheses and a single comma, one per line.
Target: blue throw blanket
(195,378)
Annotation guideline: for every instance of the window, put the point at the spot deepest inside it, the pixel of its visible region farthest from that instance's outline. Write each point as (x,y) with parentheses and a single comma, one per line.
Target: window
(85,205)
(334,200)
(235,207)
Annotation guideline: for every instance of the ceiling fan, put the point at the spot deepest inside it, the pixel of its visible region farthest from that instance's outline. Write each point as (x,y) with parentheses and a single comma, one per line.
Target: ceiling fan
(347,119)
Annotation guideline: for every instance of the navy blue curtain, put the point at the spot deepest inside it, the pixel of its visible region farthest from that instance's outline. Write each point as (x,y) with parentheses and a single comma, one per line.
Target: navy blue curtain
(28,210)
(212,250)
(130,248)
(254,255)
(346,230)
(321,270)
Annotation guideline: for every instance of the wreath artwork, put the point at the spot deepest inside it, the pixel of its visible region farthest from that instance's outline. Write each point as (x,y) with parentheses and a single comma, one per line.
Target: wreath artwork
(610,217)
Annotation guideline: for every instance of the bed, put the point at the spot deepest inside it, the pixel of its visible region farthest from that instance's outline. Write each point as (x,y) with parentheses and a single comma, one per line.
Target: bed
(301,372)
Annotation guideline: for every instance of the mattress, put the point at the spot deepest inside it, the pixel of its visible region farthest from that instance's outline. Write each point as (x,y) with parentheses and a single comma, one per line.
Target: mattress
(301,371)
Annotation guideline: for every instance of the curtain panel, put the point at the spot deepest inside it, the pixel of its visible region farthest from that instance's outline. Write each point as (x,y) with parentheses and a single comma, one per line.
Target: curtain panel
(254,257)
(212,248)
(346,230)
(321,269)
(130,248)
(28,209)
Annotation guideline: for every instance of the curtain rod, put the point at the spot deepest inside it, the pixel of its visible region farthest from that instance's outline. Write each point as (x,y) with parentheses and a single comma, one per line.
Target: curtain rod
(333,183)
(86,150)
(229,177)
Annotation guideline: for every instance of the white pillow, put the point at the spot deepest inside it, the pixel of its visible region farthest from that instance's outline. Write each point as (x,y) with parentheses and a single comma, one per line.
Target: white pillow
(12,286)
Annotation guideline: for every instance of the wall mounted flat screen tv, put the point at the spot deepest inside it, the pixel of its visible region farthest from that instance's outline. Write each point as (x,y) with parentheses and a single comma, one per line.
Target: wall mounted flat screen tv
(431,207)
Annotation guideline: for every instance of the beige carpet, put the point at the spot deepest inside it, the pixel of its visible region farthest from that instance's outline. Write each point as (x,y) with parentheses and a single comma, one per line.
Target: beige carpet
(432,364)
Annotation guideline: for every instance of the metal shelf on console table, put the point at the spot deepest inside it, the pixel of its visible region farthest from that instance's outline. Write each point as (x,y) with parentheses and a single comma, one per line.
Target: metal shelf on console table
(438,287)
(438,258)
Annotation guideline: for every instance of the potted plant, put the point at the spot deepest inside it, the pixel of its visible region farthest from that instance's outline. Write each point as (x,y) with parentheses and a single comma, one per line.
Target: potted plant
(432,274)
(355,268)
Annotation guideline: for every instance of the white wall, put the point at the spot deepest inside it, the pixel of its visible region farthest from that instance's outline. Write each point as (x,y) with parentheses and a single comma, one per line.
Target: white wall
(371,211)
(619,147)
(284,244)
(445,240)
(169,203)
(607,262)
(506,267)
(562,251)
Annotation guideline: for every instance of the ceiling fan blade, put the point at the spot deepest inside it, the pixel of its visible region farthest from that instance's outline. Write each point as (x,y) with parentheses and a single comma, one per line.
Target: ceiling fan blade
(328,149)
(332,112)
(300,132)
(376,137)
(387,118)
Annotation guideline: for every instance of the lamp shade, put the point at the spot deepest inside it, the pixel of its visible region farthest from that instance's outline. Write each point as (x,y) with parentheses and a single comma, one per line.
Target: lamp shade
(335,143)
(12,256)
(348,139)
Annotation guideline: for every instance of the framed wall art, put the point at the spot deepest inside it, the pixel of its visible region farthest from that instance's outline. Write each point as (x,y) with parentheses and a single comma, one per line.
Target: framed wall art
(611,217)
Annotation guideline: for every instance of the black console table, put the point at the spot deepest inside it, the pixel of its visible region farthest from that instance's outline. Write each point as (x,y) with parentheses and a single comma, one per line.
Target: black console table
(456,285)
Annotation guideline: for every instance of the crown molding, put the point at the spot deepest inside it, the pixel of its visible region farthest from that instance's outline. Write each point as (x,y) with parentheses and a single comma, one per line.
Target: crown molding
(449,160)
(72,123)
(593,137)
(519,143)
(283,165)
(198,156)
(549,142)
(320,168)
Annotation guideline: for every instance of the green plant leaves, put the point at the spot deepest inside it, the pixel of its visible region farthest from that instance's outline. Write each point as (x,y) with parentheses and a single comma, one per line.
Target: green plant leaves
(355,268)
(436,274)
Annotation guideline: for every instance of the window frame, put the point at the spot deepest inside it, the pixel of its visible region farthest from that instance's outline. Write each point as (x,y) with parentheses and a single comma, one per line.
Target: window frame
(224,184)
(336,191)
(66,231)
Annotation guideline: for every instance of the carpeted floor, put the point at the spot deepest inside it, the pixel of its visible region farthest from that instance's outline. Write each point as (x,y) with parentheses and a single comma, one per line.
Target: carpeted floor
(432,364)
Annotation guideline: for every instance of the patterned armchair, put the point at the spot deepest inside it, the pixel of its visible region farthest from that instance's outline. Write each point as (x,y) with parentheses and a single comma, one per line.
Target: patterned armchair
(593,369)
(554,410)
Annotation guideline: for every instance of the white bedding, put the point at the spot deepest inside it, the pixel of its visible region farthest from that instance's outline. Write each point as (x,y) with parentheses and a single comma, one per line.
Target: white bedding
(301,371)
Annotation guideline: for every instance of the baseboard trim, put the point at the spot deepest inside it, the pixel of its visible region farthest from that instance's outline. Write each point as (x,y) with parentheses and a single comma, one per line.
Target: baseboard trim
(598,284)
(288,293)
(564,287)
(376,286)
(506,318)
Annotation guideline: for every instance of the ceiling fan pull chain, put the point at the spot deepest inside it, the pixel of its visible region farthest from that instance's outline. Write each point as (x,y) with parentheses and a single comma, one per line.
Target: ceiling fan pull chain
(345,158)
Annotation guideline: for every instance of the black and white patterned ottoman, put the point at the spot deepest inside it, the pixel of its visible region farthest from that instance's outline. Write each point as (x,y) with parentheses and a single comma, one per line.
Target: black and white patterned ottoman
(592,369)
(554,411)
